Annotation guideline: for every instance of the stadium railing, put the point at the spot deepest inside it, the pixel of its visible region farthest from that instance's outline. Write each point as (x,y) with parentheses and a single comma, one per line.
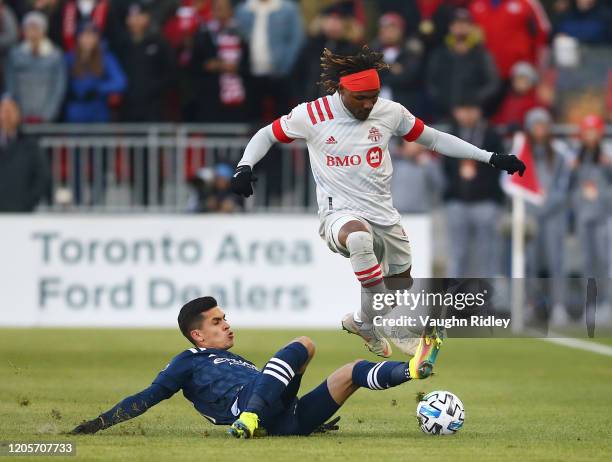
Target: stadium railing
(127,168)
(121,168)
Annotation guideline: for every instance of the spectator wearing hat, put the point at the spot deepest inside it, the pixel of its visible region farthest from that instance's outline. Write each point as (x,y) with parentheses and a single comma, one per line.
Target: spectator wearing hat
(35,72)
(24,169)
(461,68)
(331,31)
(53,11)
(223,200)
(95,77)
(529,26)
(546,249)
(588,21)
(591,196)
(147,61)
(473,198)
(521,98)
(9,32)
(211,192)
(403,82)
(275,34)
(220,67)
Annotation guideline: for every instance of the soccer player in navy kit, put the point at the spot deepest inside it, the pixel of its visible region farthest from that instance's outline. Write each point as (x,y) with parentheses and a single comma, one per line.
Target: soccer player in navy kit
(227,389)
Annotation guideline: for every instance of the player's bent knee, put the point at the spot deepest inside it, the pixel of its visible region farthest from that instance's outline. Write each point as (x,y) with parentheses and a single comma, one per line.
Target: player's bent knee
(308,344)
(349,228)
(360,242)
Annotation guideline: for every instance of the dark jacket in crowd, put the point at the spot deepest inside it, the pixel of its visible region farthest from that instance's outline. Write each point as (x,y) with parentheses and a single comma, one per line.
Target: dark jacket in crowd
(469,180)
(161,10)
(148,66)
(24,175)
(428,20)
(452,76)
(308,72)
(406,86)
(593,26)
(221,97)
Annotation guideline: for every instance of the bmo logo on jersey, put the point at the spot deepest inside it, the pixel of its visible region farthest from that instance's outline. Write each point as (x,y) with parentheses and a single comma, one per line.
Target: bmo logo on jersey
(373,158)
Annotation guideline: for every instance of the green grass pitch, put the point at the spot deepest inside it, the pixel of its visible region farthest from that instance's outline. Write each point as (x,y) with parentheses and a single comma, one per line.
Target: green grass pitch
(524,399)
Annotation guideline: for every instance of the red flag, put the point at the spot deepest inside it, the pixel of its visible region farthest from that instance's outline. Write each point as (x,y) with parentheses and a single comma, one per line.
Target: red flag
(527,185)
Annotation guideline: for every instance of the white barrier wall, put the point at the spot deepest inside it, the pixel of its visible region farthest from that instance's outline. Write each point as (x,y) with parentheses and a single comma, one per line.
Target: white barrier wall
(265,270)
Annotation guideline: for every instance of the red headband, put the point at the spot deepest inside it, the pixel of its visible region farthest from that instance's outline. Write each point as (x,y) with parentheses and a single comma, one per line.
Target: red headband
(361,81)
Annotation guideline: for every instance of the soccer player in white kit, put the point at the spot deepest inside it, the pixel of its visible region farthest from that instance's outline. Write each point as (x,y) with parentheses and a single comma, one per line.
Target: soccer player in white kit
(347,133)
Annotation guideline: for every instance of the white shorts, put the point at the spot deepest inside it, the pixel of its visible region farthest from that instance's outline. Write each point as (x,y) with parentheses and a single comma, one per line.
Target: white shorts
(391,245)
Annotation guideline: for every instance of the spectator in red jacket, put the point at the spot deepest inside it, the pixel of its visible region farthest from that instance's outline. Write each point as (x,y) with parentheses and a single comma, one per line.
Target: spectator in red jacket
(514,30)
(520,99)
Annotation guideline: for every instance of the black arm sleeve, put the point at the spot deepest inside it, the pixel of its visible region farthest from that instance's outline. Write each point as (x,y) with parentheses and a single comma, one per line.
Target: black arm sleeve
(134,405)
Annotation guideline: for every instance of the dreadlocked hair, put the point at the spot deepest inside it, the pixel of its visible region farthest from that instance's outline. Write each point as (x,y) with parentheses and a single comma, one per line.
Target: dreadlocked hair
(335,66)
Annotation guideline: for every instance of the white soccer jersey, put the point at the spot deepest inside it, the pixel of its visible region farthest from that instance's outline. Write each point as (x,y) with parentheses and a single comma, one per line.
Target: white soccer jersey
(350,158)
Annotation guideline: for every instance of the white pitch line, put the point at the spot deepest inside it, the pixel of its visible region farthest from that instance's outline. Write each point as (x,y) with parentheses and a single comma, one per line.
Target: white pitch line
(581,344)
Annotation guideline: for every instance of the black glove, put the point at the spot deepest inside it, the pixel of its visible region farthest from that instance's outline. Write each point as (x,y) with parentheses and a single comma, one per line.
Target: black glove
(332,425)
(509,163)
(241,181)
(89,427)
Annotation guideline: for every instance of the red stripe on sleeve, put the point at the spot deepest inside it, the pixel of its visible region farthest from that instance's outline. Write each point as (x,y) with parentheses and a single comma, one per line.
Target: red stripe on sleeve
(327,108)
(416,130)
(280,135)
(319,111)
(311,114)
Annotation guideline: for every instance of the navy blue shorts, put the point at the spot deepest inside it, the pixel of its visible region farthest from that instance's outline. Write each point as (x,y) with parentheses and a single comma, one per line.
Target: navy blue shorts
(291,415)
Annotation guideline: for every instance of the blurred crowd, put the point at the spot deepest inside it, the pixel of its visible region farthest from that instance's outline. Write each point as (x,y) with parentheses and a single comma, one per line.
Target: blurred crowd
(484,68)
(251,60)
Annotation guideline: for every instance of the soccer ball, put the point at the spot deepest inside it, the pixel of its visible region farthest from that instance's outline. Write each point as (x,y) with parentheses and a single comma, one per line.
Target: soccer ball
(440,413)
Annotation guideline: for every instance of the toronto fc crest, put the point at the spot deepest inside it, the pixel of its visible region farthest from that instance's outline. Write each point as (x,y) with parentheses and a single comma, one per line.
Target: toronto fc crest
(374,135)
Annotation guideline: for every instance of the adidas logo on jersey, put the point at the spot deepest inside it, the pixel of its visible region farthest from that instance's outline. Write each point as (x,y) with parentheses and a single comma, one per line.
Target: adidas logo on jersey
(331,140)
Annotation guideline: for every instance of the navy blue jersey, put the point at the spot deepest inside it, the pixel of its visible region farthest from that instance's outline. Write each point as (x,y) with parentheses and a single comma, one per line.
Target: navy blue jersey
(211,379)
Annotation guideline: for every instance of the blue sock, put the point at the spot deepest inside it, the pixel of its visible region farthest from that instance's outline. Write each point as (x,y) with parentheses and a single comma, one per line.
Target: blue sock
(276,375)
(378,376)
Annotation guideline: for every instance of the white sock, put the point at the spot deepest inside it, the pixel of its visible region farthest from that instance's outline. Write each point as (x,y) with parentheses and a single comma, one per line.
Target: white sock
(368,272)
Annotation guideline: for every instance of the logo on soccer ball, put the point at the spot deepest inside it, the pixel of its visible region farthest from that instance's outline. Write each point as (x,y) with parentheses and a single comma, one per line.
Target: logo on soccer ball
(440,413)
(374,157)
(374,135)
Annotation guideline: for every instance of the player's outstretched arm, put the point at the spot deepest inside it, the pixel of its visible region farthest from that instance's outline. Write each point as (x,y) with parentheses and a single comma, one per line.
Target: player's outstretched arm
(450,145)
(130,407)
(256,149)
